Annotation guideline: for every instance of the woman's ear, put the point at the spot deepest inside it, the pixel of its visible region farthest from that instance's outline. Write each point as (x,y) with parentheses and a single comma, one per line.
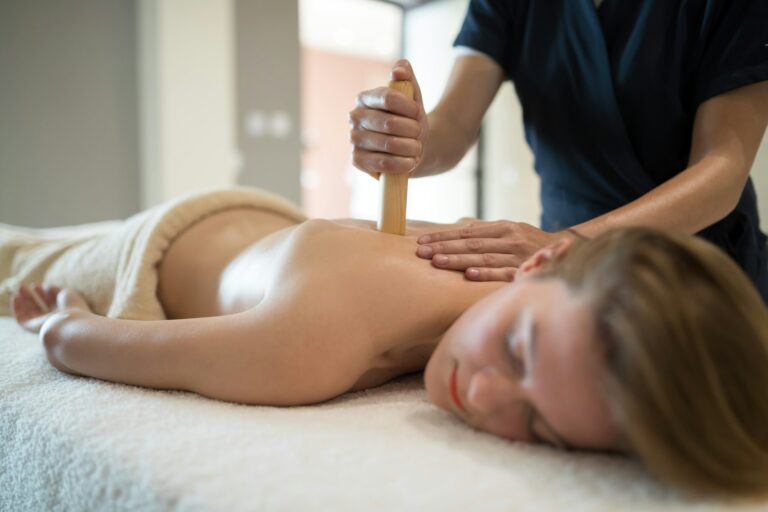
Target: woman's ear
(562,246)
(551,252)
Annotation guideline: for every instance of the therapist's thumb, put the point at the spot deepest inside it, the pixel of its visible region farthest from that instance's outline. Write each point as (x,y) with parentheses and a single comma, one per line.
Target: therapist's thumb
(403,70)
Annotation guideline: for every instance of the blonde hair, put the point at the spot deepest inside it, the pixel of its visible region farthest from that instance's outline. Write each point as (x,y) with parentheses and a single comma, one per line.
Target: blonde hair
(686,340)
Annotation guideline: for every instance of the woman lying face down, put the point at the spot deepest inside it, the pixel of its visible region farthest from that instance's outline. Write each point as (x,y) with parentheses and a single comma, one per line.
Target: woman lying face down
(636,341)
(523,364)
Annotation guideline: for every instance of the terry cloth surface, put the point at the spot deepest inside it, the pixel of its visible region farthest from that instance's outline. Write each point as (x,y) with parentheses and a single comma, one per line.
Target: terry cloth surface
(114,264)
(75,444)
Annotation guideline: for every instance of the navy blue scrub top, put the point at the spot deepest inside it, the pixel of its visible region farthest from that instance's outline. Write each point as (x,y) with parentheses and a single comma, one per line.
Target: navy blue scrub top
(609,97)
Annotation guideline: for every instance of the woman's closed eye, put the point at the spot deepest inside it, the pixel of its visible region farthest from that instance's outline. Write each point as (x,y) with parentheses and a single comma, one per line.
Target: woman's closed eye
(519,341)
(515,346)
(515,351)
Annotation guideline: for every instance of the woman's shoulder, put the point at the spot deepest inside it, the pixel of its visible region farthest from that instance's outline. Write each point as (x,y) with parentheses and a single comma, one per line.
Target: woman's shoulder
(378,274)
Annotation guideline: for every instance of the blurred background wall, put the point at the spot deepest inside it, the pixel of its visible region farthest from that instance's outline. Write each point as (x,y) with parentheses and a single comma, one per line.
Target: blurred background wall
(267,64)
(69,148)
(109,106)
(186,64)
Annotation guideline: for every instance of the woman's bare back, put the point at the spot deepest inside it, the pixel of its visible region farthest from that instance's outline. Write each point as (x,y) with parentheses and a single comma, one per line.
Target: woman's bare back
(263,311)
(369,288)
(196,274)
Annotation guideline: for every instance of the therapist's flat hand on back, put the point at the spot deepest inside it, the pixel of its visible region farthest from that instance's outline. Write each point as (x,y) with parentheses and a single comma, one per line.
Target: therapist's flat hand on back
(389,129)
(486,251)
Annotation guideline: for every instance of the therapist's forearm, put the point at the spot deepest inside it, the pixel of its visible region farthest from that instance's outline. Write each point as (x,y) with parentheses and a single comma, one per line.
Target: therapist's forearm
(726,135)
(446,145)
(689,202)
(455,122)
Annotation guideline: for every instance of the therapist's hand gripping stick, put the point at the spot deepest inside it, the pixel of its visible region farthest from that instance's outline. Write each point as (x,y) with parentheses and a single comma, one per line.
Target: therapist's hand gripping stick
(394,187)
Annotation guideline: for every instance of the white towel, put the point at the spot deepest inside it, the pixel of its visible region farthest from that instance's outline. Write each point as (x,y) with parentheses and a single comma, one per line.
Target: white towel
(114,265)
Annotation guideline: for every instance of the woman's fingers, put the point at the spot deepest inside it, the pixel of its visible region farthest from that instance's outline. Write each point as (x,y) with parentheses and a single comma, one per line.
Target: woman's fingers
(40,297)
(51,292)
(29,309)
(33,303)
(71,299)
(19,306)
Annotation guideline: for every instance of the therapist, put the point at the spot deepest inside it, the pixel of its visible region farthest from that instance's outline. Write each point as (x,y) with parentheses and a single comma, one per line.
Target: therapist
(638,112)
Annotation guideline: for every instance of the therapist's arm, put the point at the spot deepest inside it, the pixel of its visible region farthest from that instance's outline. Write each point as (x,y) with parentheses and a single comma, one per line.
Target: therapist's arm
(393,134)
(454,124)
(726,136)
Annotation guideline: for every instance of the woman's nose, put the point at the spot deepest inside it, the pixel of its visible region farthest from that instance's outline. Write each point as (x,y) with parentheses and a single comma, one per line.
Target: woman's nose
(489,390)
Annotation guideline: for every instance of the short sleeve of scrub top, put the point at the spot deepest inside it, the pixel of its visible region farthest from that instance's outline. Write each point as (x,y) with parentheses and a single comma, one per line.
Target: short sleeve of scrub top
(736,51)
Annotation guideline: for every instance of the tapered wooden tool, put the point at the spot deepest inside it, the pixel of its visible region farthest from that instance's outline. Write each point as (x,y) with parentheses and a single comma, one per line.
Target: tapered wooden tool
(394,187)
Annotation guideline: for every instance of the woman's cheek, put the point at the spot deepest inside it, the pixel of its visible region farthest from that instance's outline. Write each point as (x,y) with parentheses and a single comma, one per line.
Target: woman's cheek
(432,379)
(505,426)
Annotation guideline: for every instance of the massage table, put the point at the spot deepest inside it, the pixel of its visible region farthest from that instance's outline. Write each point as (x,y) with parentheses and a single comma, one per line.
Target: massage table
(79,444)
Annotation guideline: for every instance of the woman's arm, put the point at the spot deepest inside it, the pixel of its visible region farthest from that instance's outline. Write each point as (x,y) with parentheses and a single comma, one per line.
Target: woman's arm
(261,356)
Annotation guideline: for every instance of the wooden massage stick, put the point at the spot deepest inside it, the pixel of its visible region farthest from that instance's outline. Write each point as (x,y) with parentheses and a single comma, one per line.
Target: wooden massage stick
(394,187)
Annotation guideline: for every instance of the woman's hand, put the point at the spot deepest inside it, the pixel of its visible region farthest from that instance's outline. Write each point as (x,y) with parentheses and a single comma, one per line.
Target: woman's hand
(389,130)
(34,304)
(485,251)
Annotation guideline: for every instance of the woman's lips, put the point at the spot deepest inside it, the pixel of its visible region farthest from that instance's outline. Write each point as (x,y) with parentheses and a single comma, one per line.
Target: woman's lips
(453,387)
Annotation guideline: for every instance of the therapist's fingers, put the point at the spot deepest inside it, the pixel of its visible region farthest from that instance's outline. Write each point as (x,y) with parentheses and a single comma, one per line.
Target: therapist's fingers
(475,246)
(490,274)
(398,146)
(389,100)
(376,162)
(363,118)
(465,261)
(473,230)
(404,71)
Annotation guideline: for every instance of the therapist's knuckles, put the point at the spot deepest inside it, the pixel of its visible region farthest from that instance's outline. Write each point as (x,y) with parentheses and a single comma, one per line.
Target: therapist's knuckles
(399,146)
(373,162)
(388,99)
(384,122)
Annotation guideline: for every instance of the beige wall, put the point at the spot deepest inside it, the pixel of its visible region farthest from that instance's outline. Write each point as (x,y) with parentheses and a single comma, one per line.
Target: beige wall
(511,186)
(267,88)
(68,111)
(429,34)
(186,59)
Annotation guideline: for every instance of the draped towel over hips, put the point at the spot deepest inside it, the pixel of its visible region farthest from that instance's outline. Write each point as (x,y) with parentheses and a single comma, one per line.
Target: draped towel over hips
(114,265)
